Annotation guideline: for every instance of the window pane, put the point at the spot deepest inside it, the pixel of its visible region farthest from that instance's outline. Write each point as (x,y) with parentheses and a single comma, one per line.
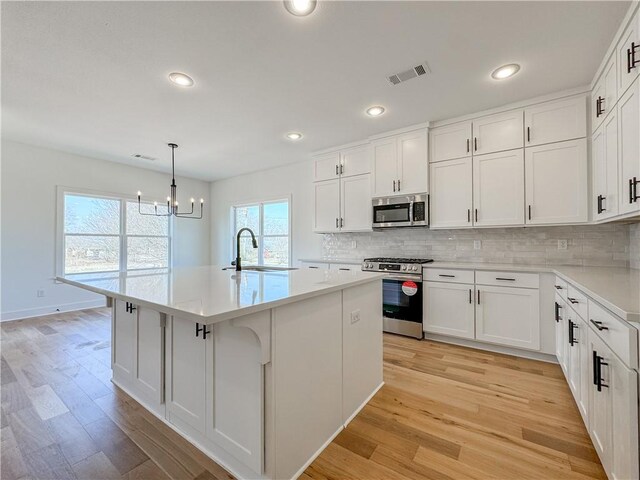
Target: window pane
(147,252)
(91,215)
(276,251)
(91,254)
(276,218)
(248,254)
(143,224)
(248,216)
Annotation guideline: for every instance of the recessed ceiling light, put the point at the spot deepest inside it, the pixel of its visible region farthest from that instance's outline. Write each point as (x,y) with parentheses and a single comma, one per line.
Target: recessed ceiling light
(505,71)
(294,136)
(181,79)
(300,8)
(375,111)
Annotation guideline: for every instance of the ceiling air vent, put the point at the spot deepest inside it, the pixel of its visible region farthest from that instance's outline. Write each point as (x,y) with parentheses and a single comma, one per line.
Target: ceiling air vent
(144,157)
(414,72)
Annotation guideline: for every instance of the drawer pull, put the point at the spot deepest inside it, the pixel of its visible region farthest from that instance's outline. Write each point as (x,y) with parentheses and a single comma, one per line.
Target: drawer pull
(345,269)
(313,267)
(506,279)
(598,325)
(558,287)
(447,276)
(573,300)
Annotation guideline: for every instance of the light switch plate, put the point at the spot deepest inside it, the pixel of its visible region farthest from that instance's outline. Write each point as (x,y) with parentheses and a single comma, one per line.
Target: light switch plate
(354,244)
(355,316)
(562,244)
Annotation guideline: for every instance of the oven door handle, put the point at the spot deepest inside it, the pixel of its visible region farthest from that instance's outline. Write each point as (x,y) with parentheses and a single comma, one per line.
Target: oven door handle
(402,278)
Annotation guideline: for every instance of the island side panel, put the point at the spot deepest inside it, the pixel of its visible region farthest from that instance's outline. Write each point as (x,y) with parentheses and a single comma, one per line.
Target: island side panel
(362,346)
(307,370)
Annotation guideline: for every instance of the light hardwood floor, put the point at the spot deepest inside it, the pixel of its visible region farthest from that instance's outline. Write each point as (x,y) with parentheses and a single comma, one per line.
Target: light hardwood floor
(445,412)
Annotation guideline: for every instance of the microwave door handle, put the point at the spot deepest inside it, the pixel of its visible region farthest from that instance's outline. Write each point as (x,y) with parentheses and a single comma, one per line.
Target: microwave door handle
(411,213)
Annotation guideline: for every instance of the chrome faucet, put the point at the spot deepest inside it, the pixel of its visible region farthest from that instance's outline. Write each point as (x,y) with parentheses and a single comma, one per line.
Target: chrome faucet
(253,240)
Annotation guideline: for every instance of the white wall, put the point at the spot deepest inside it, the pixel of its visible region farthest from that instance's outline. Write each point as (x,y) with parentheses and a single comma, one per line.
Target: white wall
(30,176)
(291,180)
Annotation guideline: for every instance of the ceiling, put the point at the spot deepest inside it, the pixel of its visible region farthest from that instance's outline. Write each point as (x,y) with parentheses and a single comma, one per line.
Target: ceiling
(91,77)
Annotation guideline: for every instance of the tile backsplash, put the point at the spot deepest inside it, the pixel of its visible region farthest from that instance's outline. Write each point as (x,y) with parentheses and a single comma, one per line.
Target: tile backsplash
(594,245)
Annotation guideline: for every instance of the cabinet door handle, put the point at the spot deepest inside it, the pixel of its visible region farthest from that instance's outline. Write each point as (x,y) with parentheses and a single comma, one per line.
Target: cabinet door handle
(394,185)
(478,297)
(337,171)
(468,215)
(558,307)
(341,222)
(529,212)
(336,222)
(598,324)
(528,134)
(598,362)
(506,279)
(199,329)
(398,185)
(341,169)
(129,307)
(467,145)
(475,144)
(600,207)
(572,337)
(633,190)
(470,301)
(631,57)
(476,214)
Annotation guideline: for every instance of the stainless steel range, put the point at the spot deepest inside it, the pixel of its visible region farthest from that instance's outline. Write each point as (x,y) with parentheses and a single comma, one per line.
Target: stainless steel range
(401,293)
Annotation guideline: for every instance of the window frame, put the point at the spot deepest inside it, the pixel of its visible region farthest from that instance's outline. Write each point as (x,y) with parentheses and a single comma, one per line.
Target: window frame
(260,235)
(122,235)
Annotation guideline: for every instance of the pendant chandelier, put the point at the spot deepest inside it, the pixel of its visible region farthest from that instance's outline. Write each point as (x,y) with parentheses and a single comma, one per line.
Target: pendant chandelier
(172,200)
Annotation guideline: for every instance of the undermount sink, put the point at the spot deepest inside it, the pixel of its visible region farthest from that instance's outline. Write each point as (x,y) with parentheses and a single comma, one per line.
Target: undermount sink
(263,268)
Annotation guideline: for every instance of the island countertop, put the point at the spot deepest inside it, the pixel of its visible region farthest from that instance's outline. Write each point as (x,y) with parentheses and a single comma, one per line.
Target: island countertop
(210,294)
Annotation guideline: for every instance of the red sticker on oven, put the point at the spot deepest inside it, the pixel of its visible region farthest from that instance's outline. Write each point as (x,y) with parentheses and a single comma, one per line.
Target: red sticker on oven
(410,288)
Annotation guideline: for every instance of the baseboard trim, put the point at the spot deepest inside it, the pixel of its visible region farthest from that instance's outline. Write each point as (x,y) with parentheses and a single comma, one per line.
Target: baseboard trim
(362,405)
(50,310)
(516,352)
(318,452)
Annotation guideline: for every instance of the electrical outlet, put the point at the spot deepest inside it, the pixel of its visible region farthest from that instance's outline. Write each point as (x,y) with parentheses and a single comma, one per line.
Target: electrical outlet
(562,244)
(355,316)
(40,293)
(477,244)
(354,244)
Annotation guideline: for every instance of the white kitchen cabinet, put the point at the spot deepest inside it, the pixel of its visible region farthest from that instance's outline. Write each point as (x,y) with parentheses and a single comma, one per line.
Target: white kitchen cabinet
(450,142)
(346,267)
(326,166)
(451,193)
(413,163)
(604,94)
(604,154)
(326,206)
(628,53)
(138,353)
(495,133)
(561,332)
(498,189)
(629,149)
(355,161)
(556,183)
(576,335)
(586,379)
(555,121)
(400,164)
(449,309)
(186,354)
(508,316)
(355,196)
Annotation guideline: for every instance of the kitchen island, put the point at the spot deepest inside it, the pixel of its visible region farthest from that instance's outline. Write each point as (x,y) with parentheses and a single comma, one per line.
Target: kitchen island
(258,369)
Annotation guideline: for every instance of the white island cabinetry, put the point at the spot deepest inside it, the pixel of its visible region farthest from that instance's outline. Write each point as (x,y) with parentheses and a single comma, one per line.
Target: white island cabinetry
(260,370)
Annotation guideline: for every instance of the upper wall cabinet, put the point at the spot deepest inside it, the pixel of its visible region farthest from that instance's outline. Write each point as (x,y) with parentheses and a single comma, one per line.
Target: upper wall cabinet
(604,155)
(497,133)
(347,162)
(450,142)
(628,53)
(342,204)
(555,121)
(629,149)
(400,164)
(604,94)
(451,193)
(556,183)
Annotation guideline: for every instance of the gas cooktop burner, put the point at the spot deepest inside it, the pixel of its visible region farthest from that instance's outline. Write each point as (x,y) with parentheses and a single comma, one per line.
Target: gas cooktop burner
(398,260)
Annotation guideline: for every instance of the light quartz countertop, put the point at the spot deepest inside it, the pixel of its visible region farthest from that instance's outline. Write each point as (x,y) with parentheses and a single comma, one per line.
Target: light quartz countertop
(210,294)
(337,261)
(616,288)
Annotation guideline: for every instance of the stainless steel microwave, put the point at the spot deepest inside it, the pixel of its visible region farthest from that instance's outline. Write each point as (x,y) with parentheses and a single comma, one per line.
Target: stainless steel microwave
(401,211)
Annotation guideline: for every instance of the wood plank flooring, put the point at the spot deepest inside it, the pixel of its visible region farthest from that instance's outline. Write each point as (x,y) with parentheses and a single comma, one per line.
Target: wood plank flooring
(445,412)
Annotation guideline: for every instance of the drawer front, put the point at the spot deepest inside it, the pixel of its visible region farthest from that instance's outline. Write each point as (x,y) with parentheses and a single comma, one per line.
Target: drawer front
(345,267)
(508,279)
(315,266)
(561,288)
(620,337)
(578,301)
(448,275)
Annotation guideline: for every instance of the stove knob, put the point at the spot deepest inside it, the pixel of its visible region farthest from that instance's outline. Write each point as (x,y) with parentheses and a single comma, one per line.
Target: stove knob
(414,268)
(404,267)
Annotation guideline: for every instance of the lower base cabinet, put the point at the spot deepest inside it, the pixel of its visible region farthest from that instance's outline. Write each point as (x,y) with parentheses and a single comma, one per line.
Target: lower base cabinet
(508,316)
(449,309)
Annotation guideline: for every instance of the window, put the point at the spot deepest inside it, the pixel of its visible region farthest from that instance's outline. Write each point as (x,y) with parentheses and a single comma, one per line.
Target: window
(270,223)
(105,234)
